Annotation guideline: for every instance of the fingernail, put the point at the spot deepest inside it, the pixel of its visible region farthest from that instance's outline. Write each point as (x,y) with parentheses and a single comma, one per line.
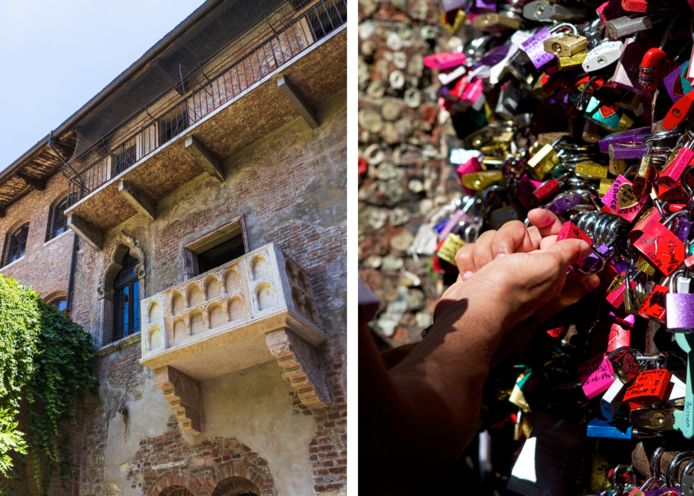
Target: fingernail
(584,246)
(467,275)
(499,255)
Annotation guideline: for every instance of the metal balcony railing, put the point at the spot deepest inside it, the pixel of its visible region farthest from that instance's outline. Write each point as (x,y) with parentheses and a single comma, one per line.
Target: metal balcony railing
(105,161)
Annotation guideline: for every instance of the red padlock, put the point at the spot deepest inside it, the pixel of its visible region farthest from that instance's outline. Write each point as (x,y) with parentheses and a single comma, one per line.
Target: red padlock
(649,387)
(569,230)
(653,306)
(678,112)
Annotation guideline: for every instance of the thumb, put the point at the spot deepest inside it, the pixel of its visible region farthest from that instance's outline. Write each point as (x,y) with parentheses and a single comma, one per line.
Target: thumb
(569,251)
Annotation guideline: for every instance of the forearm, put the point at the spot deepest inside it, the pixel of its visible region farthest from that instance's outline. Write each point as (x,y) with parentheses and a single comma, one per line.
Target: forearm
(441,386)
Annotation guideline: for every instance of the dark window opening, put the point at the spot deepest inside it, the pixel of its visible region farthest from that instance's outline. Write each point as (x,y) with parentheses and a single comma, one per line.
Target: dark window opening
(225,244)
(221,254)
(57,222)
(172,124)
(126,300)
(16,244)
(60,304)
(124,158)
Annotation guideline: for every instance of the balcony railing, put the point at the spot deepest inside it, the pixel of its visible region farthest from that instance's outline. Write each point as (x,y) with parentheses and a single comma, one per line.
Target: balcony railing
(249,292)
(107,161)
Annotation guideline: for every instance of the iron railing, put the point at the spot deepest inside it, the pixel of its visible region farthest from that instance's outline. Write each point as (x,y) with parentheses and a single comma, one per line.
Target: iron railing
(104,160)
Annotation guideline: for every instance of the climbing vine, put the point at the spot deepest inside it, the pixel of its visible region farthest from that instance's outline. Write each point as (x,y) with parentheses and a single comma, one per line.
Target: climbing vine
(45,362)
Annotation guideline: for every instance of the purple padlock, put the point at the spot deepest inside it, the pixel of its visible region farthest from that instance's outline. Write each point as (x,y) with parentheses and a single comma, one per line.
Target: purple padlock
(679,306)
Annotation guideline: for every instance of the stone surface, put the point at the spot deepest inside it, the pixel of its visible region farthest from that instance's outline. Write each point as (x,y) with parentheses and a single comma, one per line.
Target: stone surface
(400,137)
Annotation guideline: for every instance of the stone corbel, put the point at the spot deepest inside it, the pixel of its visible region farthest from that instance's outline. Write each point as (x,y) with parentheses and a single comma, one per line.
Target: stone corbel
(300,365)
(185,397)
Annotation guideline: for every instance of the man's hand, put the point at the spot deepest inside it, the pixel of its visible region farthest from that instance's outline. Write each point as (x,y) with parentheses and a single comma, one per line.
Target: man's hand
(519,284)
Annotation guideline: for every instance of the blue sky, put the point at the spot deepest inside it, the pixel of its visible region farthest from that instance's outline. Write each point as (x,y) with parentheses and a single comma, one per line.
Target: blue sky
(56,55)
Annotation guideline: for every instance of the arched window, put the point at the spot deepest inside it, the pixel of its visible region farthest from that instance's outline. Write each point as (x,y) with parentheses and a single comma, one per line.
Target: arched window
(59,303)
(57,222)
(126,300)
(16,244)
(236,486)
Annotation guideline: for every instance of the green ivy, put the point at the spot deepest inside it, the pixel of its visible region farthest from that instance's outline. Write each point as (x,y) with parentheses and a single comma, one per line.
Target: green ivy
(45,362)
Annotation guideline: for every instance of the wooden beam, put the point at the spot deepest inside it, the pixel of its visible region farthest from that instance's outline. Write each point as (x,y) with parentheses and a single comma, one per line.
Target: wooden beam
(297,101)
(91,234)
(33,181)
(205,158)
(139,200)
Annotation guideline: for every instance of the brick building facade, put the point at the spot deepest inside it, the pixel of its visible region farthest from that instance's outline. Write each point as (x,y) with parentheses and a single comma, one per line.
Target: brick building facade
(204,249)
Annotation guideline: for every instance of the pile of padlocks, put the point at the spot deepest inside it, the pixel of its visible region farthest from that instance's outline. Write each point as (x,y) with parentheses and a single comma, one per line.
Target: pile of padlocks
(586,110)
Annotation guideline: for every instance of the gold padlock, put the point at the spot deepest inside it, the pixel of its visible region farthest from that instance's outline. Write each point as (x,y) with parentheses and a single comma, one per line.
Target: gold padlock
(591,170)
(566,44)
(452,27)
(450,247)
(605,185)
(644,266)
(616,167)
(572,61)
(479,181)
(543,161)
(493,21)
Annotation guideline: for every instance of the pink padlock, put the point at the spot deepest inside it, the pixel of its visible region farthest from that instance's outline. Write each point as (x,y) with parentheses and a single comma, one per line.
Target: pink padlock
(670,176)
(473,94)
(445,60)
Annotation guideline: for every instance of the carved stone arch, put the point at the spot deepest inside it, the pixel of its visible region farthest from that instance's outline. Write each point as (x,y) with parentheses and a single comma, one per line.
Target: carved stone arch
(236,486)
(122,245)
(244,474)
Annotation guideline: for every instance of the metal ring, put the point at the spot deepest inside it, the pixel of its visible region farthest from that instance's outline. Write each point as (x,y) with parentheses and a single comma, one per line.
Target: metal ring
(672,466)
(654,461)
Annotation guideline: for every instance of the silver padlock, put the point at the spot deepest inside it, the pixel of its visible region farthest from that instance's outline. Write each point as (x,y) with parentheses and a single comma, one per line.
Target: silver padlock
(679,303)
(622,27)
(687,479)
(603,55)
(544,11)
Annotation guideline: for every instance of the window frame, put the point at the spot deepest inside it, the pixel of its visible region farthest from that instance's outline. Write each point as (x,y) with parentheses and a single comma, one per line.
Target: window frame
(50,230)
(8,244)
(126,278)
(209,240)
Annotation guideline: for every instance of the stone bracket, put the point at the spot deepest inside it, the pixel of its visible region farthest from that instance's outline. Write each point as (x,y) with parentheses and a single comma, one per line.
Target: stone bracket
(208,160)
(185,397)
(91,234)
(138,199)
(297,101)
(300,365)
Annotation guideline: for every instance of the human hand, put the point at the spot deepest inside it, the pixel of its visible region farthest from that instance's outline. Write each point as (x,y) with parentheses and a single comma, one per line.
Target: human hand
(512,237)
(519,284)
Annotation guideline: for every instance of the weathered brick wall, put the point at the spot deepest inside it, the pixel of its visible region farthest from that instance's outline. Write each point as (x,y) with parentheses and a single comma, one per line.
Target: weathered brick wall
(290,186)
(45,265)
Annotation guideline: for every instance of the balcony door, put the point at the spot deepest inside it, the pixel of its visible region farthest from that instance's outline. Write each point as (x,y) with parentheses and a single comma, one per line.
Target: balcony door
(126,300)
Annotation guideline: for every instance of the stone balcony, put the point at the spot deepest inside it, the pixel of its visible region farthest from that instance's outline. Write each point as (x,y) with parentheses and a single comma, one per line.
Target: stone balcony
(252,310)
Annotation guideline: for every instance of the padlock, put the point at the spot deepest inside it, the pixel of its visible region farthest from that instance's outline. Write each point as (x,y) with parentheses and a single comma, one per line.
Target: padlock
(635,5)
(679,303)
(596,376)
(608,116)
(572,61)
(602,56)
(479,181)
(622,27)
(653,306)
(678,112)
(624,364)
(545,11)
(543,161)
(650,386)
(611,401)
(653,419)
(445,61)
(566,45)
(601,428)
(496,22)
(652,69)
(449,248)
(591,170)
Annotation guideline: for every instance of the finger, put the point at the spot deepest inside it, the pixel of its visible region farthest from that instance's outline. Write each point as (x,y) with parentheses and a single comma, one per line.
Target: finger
(569,251)
(535,237)
(548,242)
(545,221)
(483,253)
(464,258)
(512,237)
